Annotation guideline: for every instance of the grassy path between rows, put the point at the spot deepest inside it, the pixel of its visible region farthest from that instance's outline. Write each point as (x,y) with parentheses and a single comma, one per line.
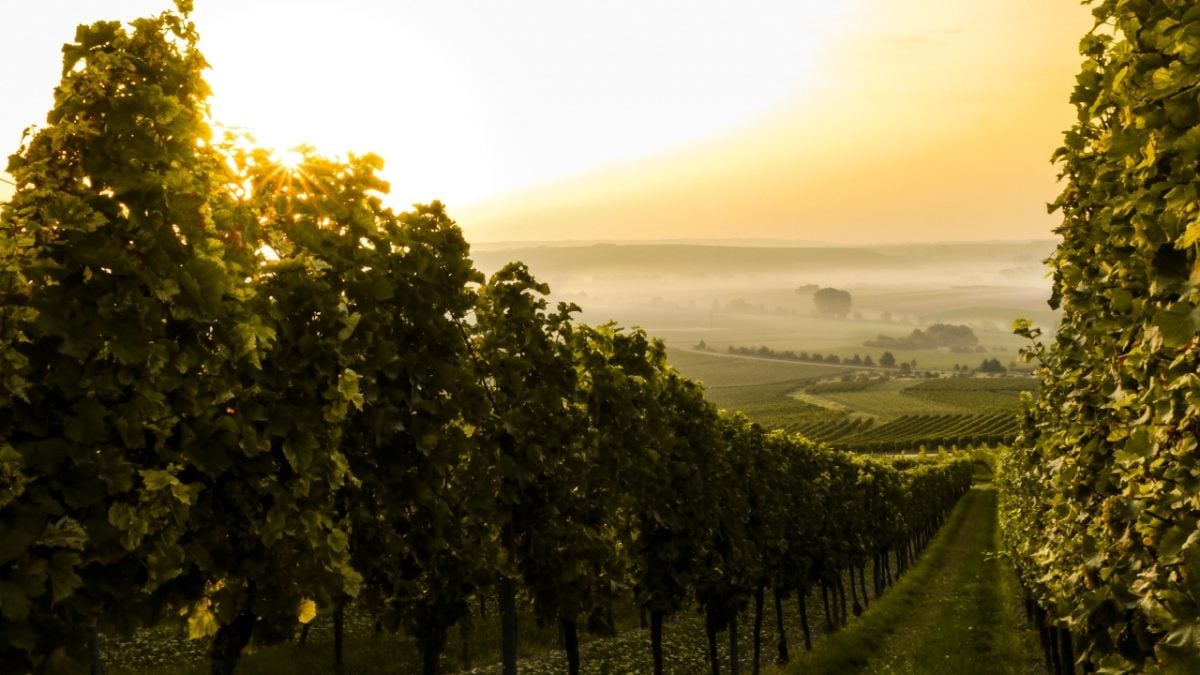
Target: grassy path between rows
(956,611)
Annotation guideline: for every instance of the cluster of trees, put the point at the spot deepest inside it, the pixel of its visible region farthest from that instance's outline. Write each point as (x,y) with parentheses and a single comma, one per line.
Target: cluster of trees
(992,366)
(236,394)
(789,355)
(1098,497)
(832,303)
(956,338)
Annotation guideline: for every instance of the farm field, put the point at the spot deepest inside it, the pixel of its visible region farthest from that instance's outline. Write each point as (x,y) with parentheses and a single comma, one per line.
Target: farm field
(974,393)
(890,399)
(759,388)
(683,328)
(717,370)
(885,400)
(856,408)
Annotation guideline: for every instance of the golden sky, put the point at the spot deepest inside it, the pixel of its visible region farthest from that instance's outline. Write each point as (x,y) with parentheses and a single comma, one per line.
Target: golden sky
(849,121)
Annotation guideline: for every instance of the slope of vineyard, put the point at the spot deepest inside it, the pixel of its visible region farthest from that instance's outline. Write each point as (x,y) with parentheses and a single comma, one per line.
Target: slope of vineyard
(908,432)
(827,427)
(758,388)
(951,412)
(872,413)
(1099,494)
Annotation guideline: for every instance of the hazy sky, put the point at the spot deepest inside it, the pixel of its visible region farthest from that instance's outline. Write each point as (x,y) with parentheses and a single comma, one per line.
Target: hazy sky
(848,121)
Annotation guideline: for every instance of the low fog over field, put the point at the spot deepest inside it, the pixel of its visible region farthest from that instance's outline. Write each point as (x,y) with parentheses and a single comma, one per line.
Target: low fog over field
(760,294)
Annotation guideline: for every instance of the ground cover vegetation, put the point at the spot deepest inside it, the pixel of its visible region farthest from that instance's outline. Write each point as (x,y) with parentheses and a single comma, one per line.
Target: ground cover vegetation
(239,394)
(475,644)
(885,401)
(1099,494)
(956,611)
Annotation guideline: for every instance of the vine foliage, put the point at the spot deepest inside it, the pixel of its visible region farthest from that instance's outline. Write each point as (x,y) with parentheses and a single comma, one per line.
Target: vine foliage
(235,394)
(1099,495)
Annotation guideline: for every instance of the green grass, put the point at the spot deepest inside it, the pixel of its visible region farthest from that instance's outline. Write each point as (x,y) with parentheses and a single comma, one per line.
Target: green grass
(758,388)
(971,400)
(976,393)
(366,653)
(896,398)
(953,612)
(771,405)
(158,652)
(988,384)
(842,386)
(887,401)
(719,370)
(163,650)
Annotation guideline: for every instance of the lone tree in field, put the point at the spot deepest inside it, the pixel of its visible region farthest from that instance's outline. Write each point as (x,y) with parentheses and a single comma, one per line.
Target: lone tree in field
(832,303)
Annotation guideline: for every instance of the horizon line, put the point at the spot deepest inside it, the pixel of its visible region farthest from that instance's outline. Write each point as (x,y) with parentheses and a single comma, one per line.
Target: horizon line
(750,241)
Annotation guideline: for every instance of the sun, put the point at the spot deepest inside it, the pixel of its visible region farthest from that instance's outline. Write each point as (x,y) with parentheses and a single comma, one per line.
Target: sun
(292,159)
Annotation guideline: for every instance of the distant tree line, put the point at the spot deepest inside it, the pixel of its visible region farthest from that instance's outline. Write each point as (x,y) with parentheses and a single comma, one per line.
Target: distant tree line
(789,355)
(886,360)
(991,366)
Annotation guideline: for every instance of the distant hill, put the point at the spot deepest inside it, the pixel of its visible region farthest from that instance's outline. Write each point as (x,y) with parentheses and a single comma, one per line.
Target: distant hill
(681,259)
(1017,263)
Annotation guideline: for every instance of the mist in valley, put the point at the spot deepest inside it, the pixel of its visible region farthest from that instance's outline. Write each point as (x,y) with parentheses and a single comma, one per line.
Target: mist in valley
(760,293)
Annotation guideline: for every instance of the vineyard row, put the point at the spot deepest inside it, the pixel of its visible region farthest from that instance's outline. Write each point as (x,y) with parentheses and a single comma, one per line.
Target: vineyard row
(235,394)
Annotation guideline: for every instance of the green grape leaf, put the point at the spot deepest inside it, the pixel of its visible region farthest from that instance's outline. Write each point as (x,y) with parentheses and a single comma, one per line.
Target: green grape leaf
(1177,323)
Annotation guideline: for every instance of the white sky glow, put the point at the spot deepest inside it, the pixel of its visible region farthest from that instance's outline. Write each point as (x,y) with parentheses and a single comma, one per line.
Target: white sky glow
(508,110)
